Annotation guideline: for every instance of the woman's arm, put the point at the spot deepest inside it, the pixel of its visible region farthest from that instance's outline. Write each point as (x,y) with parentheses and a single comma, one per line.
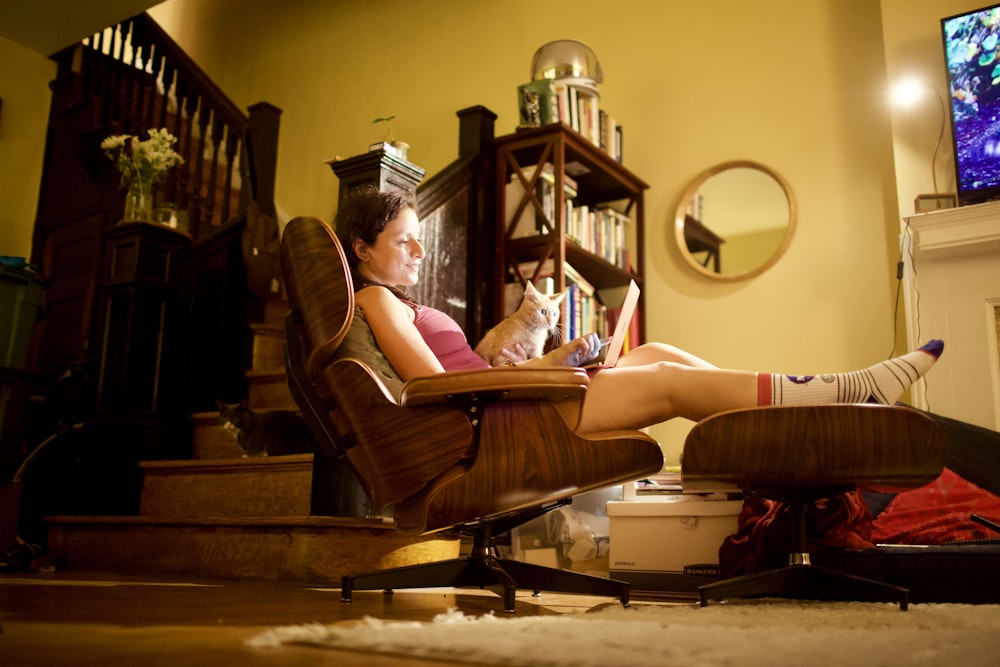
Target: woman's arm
(391,322)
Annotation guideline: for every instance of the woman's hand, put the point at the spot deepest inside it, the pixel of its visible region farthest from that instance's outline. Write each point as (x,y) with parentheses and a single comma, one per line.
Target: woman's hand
(576,352)
(515,354)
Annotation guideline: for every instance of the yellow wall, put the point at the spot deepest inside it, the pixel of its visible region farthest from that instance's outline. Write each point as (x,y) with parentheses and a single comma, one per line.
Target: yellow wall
(798,85)
(24,91)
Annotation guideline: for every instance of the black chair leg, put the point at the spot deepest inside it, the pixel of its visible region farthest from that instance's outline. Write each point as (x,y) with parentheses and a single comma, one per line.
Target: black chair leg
(456,572)
(802,580)
(805,582)
(538,578)
(484,570)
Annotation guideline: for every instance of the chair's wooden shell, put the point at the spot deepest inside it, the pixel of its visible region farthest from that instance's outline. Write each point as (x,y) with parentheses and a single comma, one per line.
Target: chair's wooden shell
(805,447)
(458,448)
(310,261)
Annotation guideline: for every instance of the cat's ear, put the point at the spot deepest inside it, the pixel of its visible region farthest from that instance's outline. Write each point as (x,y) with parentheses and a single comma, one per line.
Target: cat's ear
(557,298)
(532,295)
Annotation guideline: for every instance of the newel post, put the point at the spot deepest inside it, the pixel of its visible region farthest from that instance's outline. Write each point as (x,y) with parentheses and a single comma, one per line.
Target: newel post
(262,143)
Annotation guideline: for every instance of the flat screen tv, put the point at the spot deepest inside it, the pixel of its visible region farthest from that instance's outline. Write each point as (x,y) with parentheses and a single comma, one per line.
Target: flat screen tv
(972,55)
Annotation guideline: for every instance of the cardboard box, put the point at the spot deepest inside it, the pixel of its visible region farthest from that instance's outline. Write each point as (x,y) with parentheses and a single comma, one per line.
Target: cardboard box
(669,545)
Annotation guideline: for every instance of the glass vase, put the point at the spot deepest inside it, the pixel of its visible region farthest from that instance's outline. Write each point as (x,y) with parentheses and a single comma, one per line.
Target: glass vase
(139,201)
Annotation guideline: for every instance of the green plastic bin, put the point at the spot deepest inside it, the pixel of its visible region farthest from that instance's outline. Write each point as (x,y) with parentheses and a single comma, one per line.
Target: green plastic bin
(21,292)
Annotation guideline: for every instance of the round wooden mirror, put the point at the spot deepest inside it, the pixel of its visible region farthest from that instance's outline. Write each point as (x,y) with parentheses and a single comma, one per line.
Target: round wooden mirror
(735,220)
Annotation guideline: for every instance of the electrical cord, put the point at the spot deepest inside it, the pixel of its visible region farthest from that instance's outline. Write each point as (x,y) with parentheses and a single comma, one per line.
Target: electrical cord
(906,249)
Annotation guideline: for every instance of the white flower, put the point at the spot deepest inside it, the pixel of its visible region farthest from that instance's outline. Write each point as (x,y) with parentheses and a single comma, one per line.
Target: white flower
(144,161)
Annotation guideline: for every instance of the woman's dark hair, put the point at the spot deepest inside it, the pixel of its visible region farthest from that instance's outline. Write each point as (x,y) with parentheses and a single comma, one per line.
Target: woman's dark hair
(363,215)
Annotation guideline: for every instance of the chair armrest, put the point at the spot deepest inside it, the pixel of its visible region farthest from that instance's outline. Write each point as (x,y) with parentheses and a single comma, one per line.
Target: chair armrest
(566,387)
(501,383)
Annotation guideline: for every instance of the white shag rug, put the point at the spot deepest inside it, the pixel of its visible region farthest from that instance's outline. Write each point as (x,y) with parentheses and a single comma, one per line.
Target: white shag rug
(765,633)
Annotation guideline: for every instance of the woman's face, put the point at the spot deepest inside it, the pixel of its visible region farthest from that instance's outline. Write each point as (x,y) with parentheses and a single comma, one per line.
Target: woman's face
(394,258)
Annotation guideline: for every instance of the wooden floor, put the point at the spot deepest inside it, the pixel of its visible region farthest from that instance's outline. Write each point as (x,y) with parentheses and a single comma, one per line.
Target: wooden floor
(88,619)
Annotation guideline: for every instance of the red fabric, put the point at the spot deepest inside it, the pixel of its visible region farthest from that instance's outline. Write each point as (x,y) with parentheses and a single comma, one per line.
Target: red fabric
(937,513)
(764,530)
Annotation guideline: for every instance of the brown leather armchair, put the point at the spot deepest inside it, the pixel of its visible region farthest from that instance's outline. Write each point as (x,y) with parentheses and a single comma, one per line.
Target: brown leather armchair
(476,452)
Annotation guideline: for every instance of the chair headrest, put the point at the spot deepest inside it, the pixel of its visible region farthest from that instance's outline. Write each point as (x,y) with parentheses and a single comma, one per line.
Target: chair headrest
(320,291)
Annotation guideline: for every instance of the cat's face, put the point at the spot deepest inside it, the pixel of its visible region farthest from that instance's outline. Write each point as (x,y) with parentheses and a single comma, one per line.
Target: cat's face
(233,417)
(540,309)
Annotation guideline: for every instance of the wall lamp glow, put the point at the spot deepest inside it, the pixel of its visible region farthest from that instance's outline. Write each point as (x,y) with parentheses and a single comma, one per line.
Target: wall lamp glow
(908,93)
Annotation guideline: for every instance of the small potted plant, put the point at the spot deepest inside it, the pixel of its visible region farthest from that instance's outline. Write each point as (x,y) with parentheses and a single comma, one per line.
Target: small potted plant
(401,148)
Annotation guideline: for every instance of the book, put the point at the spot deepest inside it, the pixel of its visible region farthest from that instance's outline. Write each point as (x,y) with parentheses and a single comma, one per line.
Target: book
(574,107)
(591,119)
(538,103)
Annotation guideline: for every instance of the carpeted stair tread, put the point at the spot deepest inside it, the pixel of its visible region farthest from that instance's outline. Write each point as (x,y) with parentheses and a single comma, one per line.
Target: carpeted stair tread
(231,487)
(308,549)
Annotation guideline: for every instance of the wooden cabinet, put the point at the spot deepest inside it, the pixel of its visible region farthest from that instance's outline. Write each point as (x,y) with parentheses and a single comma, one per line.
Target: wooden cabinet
(140,334)
(548,178)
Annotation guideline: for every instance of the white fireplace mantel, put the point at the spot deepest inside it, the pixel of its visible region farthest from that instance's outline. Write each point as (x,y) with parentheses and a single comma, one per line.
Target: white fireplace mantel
(958,231)
(951,285)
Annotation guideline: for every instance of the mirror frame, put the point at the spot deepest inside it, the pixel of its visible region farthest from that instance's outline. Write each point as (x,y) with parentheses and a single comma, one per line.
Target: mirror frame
(688,196)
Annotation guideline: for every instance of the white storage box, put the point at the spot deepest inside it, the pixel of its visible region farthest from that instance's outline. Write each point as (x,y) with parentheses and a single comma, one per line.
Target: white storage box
(671,544)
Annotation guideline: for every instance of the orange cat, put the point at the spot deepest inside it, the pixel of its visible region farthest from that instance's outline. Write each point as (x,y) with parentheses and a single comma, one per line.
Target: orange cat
(530,326)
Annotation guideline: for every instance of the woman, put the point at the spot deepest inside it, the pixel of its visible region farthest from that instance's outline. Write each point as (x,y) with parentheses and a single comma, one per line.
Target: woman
(652,383)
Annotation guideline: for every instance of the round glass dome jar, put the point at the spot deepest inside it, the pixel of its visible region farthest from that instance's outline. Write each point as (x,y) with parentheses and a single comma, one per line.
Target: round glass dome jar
(567,60)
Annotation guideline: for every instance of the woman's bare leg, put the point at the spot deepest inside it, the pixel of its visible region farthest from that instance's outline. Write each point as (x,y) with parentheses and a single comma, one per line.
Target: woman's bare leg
(633,396)
(638,396)
(650,353)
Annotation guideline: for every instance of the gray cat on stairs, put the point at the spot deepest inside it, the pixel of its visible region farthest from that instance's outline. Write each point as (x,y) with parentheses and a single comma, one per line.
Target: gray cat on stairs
(273,433)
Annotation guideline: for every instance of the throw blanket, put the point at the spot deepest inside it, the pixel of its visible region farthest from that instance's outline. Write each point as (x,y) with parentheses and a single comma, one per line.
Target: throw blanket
(938,513)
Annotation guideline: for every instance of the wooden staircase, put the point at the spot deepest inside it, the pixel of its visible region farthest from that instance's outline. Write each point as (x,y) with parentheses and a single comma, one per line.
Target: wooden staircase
(223,515)
(216,514)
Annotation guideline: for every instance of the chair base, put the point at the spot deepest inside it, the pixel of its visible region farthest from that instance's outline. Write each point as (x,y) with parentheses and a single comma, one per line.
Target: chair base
(805,582)
(485,570)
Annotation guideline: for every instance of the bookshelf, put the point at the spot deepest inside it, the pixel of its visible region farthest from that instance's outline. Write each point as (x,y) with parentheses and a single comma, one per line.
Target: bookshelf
(569,216)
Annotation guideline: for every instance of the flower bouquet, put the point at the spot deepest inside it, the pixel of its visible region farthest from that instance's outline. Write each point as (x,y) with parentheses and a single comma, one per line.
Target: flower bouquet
(141,164)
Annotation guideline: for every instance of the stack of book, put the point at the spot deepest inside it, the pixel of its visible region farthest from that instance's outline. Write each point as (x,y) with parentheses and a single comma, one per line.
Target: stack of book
(553,101)
(584,311)
(601,231)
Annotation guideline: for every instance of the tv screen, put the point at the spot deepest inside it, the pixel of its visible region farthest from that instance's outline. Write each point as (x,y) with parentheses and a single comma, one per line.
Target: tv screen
(972,54)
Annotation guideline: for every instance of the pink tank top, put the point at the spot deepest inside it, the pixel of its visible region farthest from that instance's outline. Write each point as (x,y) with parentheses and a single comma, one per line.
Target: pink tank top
(446,339)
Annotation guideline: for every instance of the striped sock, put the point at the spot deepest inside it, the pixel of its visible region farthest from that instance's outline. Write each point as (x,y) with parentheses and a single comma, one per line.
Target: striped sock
(882,383)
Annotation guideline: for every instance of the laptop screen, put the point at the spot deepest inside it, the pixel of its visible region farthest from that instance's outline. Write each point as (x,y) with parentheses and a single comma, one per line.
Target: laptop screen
(617,342)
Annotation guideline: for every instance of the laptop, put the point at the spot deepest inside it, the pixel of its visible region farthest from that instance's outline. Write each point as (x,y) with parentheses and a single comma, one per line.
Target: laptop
(612,350)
